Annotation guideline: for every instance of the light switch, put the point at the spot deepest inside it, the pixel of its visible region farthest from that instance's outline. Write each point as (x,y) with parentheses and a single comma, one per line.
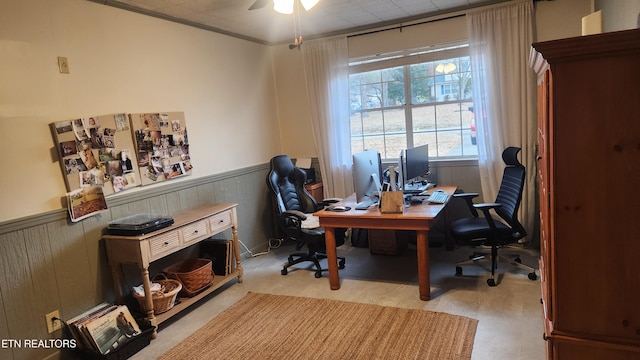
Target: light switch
(63,65)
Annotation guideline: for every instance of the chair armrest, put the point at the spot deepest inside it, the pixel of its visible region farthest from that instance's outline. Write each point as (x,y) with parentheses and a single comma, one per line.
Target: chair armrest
(466,195)
(298,214)
(485,208)
(290,222)
(468,198)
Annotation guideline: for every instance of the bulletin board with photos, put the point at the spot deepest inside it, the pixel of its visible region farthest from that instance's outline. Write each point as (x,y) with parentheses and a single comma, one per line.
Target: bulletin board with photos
(97,151)
(162,146)
(120,151)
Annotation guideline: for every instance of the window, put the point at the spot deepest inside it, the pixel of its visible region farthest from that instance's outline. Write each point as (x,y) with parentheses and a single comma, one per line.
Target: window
(400,101)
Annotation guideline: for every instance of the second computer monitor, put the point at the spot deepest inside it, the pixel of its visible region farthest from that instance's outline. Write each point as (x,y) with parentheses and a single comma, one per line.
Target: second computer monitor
(416,163)
(366,175)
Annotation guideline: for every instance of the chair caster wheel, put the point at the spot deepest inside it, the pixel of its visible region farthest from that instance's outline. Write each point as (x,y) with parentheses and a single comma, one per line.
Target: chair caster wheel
(458,270)
(318,274)
(284,271)
(533,276)
(290,259)
(341,264)
(518,260)
(491,282)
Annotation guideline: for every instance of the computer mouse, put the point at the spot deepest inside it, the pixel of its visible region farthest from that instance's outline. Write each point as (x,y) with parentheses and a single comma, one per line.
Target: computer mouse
(339,208)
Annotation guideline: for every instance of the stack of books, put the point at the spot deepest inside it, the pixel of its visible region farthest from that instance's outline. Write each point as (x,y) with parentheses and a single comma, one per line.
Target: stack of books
(104,328)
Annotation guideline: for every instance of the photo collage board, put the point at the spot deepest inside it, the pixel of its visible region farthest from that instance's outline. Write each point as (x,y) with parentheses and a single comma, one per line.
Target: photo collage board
(116,152)
(162,146)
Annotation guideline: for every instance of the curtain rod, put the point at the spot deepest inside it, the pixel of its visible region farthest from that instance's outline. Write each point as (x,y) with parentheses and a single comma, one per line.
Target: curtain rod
(406,26)
(496,3)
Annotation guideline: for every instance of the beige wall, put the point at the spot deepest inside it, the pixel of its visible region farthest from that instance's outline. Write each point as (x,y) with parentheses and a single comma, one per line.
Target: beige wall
(560,18)
(619,14)
(293,105)
(123,62)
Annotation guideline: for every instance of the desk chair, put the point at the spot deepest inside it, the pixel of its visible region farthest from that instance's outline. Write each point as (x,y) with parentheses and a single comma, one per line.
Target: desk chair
(492,232)
(293,206)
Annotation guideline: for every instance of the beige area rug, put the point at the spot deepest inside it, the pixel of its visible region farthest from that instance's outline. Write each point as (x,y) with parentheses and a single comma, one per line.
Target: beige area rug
(263,326)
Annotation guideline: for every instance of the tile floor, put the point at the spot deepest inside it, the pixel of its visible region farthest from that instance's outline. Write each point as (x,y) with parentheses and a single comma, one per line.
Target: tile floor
(510,322)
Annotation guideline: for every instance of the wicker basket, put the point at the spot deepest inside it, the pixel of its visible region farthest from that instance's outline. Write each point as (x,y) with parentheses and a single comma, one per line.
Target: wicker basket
(194,274)
(164,299)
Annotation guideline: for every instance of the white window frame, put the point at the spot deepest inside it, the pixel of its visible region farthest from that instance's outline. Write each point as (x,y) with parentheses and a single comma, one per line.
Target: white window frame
(405,59)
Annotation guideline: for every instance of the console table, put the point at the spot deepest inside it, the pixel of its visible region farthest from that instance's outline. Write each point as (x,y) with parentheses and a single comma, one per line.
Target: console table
(189,227)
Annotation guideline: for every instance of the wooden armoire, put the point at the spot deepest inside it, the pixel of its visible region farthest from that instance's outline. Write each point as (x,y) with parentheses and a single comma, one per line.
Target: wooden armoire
(589,185)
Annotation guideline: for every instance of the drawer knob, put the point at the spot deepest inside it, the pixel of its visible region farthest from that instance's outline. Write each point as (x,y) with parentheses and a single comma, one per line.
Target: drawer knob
(166,243)
(221,221)
(195,232)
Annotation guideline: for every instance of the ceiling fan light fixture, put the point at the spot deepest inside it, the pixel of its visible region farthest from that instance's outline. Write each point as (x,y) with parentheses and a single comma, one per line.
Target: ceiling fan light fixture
(283,6)
(309,4)
(446,68)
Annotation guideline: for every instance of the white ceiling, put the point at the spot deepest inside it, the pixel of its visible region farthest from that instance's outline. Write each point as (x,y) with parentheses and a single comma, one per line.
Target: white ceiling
(329,17)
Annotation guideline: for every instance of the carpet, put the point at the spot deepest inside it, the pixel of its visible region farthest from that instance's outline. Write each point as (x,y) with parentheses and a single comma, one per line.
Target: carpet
(264,326)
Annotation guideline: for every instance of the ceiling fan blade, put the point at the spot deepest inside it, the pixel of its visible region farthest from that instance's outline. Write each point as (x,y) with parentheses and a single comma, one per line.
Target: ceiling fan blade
(258,4)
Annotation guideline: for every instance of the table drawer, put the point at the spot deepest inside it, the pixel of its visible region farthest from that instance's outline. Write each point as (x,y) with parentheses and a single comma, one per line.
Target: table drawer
(194,231)
(163,244)
(220,222)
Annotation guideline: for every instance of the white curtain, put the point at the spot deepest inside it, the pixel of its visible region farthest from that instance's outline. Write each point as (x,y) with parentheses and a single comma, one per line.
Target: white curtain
(504,93)
(326,69)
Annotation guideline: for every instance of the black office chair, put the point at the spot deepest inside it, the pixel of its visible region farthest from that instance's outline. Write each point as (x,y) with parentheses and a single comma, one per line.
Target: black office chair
(488,231)
(292,202)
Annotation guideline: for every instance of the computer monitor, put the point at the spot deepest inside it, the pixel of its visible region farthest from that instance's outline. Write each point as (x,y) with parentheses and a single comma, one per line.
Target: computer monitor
(366,176)
(416,163)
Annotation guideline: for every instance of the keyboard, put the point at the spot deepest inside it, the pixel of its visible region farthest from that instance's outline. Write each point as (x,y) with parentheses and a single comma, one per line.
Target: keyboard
(438,197)
(365,204)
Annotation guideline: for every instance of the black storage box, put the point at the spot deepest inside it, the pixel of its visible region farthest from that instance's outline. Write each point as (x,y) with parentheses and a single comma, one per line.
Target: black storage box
(220,252)
(127,350)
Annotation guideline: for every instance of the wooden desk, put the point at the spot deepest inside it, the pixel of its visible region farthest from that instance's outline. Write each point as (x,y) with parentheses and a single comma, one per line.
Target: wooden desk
(189,227)
(415,217)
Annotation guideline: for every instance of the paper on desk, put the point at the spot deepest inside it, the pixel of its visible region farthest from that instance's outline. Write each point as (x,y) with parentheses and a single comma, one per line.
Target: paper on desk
(304,163)
(311,222)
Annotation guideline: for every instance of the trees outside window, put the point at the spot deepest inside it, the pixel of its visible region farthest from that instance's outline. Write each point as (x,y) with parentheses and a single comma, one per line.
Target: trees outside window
(398,107)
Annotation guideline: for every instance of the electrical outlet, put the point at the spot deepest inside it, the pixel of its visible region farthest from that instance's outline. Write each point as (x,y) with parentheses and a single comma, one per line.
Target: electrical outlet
(53,321)
(63,65)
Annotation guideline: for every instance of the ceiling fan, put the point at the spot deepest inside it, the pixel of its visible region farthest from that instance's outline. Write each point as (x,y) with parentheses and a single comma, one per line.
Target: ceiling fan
(287,7)
(283,6)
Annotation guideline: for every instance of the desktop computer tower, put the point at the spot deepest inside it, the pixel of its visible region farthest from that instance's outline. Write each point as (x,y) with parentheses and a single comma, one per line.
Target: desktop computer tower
(311,175)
